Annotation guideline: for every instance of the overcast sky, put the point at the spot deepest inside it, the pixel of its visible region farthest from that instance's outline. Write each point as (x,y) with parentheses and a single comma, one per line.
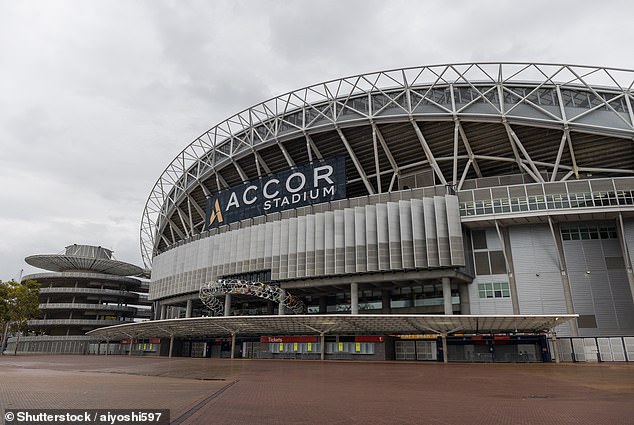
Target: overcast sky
(97,97)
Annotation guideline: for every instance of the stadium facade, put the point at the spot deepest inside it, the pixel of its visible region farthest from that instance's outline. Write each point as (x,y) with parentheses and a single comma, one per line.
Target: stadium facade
(464,189)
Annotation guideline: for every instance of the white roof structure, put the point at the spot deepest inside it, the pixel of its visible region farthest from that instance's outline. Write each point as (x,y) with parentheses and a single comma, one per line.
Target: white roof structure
(462,121)
(341,324)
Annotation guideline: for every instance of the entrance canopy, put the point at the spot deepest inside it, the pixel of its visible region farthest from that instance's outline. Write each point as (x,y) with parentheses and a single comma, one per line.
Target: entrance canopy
(342,324)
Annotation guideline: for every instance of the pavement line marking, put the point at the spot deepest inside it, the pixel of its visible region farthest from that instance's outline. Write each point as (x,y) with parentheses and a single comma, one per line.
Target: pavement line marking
(201,403)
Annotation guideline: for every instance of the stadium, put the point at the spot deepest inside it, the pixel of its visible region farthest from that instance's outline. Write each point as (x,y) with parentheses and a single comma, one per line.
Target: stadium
(463,212)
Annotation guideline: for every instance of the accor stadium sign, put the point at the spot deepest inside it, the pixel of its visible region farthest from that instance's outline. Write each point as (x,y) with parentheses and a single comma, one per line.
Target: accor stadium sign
(304,185)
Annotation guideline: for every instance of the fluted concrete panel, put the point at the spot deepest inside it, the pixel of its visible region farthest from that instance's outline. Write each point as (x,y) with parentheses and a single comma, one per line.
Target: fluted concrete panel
(383,241)
(245,251)
(292,248)
(301,246)
(361,259)
(268,245)
(284,228)
(415,233)
(275,252)
(456,246)
(407,242)
(329,241)
(320,244)
(418,233)
(430,232)
(340,258)
(394,235)
(442,231)
(233,250)
(372,246)
(310,246)
(261,238)
(349,240)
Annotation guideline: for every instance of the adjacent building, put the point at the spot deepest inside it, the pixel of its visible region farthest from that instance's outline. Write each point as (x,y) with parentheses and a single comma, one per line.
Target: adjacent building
(85,288)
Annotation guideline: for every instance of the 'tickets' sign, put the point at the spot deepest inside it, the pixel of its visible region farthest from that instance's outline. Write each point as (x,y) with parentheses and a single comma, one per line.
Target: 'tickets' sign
(305,185)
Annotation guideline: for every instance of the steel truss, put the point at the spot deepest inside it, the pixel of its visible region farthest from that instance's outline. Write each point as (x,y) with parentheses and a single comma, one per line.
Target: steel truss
(210,291)
(584,99)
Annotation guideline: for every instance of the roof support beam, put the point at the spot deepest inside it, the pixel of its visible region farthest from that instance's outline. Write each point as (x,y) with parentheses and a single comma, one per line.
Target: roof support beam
(377,169)
(181,213)
(390,157)
(515,144)
(456,135)
(241,172)
(312,147)
(558,159)
(287,156)
(356,162)
(467,146)
(261,161)
(464,174)
(428,152)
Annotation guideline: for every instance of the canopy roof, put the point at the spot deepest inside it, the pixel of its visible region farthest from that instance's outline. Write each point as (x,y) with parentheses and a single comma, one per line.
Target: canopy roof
(366,324)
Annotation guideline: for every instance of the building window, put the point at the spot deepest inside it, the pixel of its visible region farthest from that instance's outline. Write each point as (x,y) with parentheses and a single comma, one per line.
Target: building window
(494,290)
(584,232)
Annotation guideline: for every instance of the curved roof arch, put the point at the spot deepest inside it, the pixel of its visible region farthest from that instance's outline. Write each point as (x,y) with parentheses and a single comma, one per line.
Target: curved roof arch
(590,100)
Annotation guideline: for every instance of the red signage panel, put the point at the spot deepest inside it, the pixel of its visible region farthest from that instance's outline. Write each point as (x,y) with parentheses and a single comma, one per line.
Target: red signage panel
(273,339)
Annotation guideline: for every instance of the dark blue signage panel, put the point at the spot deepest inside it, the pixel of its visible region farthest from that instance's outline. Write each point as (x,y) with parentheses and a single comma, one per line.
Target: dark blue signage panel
(305,185)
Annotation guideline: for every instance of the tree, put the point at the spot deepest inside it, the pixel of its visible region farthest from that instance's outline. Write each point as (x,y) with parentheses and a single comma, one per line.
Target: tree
(19,302)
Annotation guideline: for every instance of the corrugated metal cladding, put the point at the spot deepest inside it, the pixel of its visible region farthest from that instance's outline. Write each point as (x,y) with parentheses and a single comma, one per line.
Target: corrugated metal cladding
(408,234)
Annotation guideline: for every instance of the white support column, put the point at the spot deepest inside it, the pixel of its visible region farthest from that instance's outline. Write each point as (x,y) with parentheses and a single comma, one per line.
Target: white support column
(446,295)
(555,347)
(171,345)
(445,355)
(233,345)
(188,310)
(163,311)
(107,346)
(465,304)
(227,304)
(322,346)
(354,298)
(281,309)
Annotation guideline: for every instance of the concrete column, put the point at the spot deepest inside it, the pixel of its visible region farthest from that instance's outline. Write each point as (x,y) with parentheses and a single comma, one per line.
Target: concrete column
(565,280)
(107,346)
(555,347)
(281,310)
(445,354)
(323,304)
(233,345)
(322,346)
(465,304)
(227,304)
(131,344)
(163,311)
(505,240)
(354,298)
(188,310)
(626,254)
(171,345)
(385,302)
(446,295)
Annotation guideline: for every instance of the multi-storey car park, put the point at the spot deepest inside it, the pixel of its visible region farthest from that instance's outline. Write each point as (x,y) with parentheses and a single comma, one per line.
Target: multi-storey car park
(482,194)
(85,289)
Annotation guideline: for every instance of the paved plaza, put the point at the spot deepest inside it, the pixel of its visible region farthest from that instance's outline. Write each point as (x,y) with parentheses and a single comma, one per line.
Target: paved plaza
(202,391)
